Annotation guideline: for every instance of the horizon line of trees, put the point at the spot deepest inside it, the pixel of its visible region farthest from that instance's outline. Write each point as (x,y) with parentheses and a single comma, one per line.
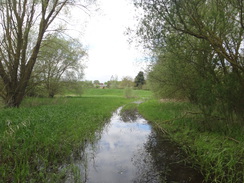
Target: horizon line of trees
(139,82)
(48,87)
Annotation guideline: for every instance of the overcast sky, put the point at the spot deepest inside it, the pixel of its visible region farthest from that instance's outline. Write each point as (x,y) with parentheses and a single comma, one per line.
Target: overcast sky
(103,33)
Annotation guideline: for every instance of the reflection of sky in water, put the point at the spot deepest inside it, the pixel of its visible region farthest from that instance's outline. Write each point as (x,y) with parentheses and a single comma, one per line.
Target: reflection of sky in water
(132,152)
(111,159)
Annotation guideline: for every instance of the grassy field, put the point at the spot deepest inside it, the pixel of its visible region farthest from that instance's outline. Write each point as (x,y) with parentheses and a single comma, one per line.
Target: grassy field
(116,93)
(218,151)
(40,136)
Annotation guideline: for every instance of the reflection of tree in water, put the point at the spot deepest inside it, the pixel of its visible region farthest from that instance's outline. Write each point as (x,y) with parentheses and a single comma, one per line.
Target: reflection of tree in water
(146,171)
(163,161)
(129,115)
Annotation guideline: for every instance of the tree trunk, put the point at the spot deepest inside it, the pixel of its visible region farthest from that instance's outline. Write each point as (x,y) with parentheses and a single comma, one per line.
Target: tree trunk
(14,99)
(51,95)
(17,19)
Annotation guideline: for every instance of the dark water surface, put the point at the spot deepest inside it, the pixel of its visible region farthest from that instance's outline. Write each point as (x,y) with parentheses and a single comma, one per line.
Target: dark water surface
(130,151)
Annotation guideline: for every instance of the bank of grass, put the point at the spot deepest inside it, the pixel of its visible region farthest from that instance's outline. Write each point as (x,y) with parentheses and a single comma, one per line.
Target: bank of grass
(217,149)
(40,136)
(96,92)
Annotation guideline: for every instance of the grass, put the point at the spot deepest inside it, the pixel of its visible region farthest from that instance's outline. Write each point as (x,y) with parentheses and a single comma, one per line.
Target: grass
(93,92)
(219,155)
(41,135)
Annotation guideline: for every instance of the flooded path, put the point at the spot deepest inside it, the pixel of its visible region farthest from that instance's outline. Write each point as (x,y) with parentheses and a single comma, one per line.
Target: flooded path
(130,151)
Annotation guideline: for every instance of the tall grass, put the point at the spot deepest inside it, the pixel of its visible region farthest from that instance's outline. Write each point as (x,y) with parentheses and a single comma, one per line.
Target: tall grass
(220,155)
(40,136)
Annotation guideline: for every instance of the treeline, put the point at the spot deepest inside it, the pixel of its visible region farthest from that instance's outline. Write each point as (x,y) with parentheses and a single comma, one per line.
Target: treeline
(198,54)
(139,82)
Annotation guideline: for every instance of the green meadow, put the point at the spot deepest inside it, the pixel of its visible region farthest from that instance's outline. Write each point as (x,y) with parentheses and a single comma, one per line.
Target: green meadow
(214,148)
(92,92)
(40,136)
(45,134)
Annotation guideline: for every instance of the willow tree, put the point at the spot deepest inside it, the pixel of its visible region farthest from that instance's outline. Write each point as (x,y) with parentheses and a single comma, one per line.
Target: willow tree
(59,60)
(219,22)
(18,53)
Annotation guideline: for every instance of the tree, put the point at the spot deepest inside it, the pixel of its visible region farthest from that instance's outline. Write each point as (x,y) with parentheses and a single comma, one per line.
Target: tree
(96,83)
(113,83)
(215,21)
(139,80)
(184,69)
(18,53)
(59,60)
(197,46)
(127,82)
(87,84)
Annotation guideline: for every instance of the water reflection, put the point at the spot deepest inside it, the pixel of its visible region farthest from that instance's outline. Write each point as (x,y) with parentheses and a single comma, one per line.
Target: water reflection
(132,152)
(165,162)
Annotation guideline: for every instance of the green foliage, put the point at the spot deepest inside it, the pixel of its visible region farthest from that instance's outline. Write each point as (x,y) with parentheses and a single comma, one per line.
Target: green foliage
(97,92)
(59,62)
(193,57)
(129,107)
(87,84)
(93,92)
(21,42)
(96,83)
(126,82)
(73,87)
(128,92)
(38,138)
(219,152)
(197,76)
(139,80)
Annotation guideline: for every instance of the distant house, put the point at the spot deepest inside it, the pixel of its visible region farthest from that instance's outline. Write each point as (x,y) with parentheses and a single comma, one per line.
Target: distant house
(102,85)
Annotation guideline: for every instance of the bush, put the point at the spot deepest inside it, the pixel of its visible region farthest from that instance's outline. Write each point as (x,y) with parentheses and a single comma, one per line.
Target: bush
(128,92)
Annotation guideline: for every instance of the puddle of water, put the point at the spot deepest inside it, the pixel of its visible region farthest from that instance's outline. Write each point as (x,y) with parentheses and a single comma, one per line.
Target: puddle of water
(133,152)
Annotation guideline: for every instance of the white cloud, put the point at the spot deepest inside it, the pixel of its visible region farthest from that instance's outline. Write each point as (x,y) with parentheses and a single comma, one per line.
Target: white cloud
(109,52)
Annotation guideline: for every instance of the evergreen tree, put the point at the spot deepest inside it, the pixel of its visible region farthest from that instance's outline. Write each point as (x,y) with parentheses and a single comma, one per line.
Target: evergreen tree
(139,80)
